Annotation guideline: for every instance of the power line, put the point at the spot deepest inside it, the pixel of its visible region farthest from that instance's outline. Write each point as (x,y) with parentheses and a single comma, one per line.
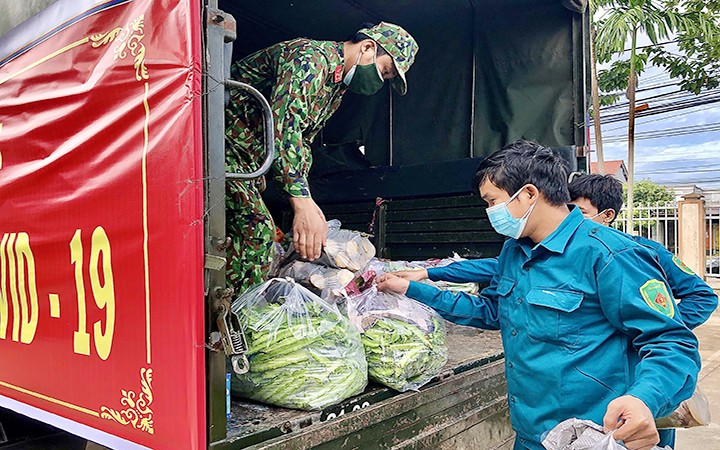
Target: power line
(664,171)
(712,126)
(660,119)
(667,107)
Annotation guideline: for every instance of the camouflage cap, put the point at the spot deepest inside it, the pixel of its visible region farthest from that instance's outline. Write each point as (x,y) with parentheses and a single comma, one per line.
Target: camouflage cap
(401,47)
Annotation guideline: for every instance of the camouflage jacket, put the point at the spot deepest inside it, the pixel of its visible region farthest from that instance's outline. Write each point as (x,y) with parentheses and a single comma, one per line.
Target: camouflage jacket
(302,80)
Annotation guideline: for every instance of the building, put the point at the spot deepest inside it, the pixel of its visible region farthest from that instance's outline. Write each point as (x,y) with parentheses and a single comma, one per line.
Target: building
(711,196)
(615,167)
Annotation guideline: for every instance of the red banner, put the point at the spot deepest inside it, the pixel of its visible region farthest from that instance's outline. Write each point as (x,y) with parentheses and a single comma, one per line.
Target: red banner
(101,226)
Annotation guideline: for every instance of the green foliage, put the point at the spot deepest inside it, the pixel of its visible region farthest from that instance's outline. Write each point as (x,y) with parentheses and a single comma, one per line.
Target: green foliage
(616,78)
(694,24)
(646,192)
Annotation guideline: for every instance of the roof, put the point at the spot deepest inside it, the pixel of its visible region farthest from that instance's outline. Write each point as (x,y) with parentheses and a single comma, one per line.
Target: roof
(611,167)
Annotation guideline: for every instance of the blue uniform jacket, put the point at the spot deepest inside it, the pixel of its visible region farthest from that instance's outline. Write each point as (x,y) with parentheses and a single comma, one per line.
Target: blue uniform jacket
(696,300)
(585,317)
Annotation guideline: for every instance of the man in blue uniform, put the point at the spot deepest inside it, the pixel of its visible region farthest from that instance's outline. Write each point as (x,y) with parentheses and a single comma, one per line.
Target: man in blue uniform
(588,325)
(599,198)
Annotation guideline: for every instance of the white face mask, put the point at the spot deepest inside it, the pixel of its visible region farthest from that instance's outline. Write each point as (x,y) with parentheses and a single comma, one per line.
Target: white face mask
(598,215)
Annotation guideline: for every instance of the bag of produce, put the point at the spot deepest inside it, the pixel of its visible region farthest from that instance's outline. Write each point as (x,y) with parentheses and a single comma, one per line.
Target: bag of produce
(404,340)
(345,249)
(348,249)
(302,352)
(693,412)
(377,267)
(326,280)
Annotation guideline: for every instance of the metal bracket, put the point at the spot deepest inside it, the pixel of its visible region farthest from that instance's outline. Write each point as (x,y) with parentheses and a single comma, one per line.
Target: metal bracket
(213,262)
(225,21)
(231,333)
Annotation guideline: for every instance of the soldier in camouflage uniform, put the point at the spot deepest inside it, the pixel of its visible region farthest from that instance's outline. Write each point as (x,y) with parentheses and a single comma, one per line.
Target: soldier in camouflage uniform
(304,81)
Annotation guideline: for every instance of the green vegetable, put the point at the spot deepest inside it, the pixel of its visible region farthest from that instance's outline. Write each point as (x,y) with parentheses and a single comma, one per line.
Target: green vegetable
(400,355)
(303,354)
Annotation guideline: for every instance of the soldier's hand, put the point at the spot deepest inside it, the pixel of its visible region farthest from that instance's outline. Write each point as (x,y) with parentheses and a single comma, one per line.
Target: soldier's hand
(412,275)
(309,228)
(632,422)
(390,282)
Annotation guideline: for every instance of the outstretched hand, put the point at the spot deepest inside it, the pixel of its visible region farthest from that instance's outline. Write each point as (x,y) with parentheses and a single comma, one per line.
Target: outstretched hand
(412,275)
(390,282)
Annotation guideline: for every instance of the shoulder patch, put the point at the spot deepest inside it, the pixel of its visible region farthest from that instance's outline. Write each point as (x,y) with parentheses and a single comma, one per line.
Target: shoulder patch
(338,74)
(657,297)
(682,265)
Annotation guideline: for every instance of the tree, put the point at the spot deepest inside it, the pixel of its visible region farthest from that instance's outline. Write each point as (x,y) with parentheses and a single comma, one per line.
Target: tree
(646,221)
(646,193)
(697,63)
(596,92)
(624,20)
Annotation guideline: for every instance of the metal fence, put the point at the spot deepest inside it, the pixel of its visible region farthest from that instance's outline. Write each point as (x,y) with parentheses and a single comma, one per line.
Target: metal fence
(712,243)
(658,222)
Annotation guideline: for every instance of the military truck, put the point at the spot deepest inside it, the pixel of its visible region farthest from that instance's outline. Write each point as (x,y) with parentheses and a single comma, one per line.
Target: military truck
(112,224)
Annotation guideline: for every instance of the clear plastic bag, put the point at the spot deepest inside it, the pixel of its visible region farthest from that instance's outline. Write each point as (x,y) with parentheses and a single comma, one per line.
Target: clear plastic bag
(348,249)
(377,267)
(345,249)
(303,353)
(404,340)
(693,412)
(576,434)
(327,280)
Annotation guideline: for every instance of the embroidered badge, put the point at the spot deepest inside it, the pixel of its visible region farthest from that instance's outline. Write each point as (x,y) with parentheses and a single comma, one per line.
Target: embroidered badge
(338,73)
(656,295)
(682,265)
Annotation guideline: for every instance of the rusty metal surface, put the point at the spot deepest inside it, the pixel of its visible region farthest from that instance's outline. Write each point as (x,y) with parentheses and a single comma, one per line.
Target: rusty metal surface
(469,390)
(493,432)
(425,426)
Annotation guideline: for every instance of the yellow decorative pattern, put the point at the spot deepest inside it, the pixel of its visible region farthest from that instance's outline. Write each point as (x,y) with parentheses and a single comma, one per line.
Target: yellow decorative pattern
(128,38)
(137,412)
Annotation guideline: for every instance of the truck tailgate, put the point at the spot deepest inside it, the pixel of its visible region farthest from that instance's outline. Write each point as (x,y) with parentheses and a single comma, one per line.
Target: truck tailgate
(469,393)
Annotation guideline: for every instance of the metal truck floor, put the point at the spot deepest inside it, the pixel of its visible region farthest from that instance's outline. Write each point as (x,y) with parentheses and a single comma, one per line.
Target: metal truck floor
(253,422)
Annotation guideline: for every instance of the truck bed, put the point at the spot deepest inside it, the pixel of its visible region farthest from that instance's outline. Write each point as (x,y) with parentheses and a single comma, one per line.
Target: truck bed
(470,350)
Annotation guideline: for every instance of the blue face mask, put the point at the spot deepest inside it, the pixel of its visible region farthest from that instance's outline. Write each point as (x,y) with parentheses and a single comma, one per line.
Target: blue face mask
(503,222)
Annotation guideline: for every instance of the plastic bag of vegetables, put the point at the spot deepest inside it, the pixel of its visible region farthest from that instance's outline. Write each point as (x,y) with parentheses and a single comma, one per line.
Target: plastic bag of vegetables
(303,353)
(404,340)
(377,267)
(327,280)
(348,249)
(344,249)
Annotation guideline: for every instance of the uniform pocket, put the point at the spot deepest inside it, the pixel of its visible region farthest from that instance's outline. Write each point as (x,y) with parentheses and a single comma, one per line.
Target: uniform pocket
(504,288)
(550,317)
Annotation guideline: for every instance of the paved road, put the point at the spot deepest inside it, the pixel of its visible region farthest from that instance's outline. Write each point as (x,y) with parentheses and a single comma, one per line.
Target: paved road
(702,438)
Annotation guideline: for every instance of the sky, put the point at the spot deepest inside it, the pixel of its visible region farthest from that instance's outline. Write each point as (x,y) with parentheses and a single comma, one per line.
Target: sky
(678,160)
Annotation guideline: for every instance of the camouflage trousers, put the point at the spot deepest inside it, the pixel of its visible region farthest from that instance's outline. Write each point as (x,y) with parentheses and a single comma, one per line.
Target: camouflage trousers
(252,230)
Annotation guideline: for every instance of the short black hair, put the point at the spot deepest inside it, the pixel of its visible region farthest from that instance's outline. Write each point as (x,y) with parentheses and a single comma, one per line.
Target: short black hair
(526,162)
(603,191)
(359,37)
